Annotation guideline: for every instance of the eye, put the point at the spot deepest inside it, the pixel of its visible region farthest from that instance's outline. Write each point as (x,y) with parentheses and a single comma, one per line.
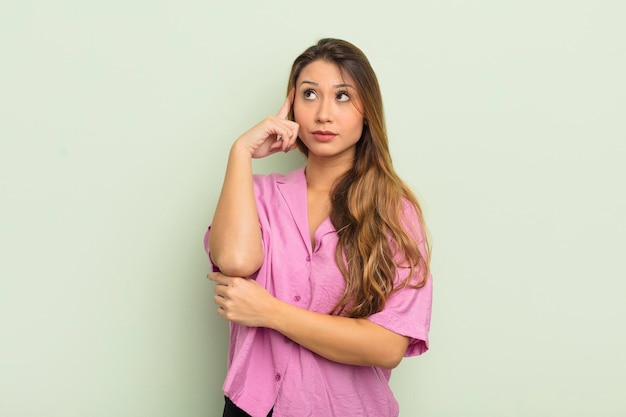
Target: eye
(309,94)
(342,96)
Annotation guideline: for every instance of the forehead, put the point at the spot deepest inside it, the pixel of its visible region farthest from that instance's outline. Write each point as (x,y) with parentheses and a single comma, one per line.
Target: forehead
(324,73)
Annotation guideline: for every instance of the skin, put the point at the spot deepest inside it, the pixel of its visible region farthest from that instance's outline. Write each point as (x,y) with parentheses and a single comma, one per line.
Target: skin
(329,121)
(235,239)
(326,101)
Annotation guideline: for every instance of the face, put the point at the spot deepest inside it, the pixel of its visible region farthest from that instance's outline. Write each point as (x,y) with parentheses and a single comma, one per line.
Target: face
(328,110)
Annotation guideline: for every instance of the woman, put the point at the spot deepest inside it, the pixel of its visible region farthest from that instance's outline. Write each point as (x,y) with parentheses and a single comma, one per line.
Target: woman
(323,272)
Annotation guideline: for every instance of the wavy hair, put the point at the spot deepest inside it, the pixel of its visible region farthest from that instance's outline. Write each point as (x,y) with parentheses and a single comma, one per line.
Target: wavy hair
(370,201)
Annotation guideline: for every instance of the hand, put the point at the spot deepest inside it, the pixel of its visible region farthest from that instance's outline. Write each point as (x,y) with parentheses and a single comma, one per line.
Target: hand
(273,134)
(242,300)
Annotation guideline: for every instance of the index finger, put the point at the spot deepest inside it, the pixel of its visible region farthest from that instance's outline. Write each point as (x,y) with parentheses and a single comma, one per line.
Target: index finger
(219,278)
(286,107)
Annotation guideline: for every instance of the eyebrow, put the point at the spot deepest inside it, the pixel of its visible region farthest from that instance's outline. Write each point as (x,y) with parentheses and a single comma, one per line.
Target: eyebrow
(334,86)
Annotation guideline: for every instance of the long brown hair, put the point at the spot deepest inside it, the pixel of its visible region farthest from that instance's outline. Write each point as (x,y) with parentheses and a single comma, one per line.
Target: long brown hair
(370,201)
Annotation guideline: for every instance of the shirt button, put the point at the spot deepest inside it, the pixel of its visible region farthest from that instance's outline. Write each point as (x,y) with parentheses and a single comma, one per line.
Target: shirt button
(277,377)
(308,258)
(296,298)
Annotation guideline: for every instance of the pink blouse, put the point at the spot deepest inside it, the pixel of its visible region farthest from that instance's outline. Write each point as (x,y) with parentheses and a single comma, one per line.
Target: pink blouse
(265,368)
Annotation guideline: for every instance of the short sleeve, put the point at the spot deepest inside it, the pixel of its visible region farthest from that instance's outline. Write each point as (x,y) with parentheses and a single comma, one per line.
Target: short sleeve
(408,310)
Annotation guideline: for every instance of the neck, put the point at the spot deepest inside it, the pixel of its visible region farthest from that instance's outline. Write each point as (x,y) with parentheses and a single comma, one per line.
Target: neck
(322,174)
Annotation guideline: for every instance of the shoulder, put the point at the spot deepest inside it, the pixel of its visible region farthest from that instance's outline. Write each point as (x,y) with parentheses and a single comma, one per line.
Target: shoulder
(273,179)
(410,213)
(413,222)
(267,187)
(276,194)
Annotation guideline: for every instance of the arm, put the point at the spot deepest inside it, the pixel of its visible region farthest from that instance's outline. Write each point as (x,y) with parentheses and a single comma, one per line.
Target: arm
(235,239)
(340,339)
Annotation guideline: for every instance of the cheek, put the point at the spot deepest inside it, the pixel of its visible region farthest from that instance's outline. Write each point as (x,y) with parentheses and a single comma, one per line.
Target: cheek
(358,128)
(354,120)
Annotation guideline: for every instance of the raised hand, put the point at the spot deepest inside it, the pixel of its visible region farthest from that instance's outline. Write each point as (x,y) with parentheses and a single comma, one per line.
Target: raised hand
(273,134)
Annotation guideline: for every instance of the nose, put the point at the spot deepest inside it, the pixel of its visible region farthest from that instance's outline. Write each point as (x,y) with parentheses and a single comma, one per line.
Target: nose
(324,111)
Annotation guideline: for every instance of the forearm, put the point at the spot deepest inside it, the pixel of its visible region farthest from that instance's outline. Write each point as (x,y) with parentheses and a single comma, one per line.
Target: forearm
(235,239)
(340,339)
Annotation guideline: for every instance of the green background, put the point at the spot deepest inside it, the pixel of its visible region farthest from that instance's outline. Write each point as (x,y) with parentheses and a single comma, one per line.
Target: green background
(507,118)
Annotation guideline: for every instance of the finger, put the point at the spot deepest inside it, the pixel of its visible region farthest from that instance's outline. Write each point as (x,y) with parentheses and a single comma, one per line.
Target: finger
(219,278)
(286,107)
(221,291)
(294,136)
(219,301)
(221,312)
(276,146)
(290,143)
(284,133)
(286,146)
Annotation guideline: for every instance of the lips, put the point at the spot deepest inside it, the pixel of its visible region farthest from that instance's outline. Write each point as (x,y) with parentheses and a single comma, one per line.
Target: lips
(323,135)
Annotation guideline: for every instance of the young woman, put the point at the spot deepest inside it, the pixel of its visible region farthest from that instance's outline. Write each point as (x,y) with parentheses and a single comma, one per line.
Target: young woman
(323,273)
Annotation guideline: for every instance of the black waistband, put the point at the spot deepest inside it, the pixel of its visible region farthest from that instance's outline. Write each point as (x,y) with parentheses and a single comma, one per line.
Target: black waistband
(231,410)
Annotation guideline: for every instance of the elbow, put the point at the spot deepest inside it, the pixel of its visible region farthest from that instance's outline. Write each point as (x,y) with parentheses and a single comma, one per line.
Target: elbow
(238,265)
(395,362)
(391,361)
(388,348)
(235,270)
(394,353)
(234,258)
